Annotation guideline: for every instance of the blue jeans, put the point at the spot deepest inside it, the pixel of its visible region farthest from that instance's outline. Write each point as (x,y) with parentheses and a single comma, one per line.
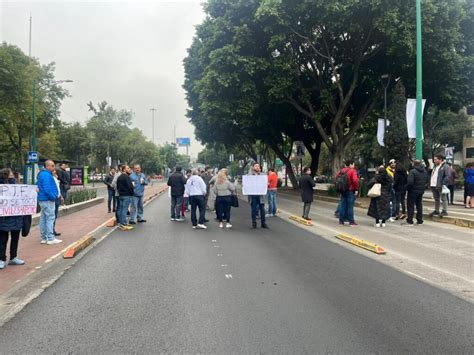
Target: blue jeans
(272,202)
(346,209)
(136,208)
(257,206)
(176,203)
(47,219)
(123,208)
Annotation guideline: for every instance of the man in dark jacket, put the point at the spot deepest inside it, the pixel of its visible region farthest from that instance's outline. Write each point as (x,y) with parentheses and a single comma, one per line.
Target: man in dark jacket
(125,190)
(64,180)
(112,201)
(439,178)
(416,184)
(176,182)
(306,185)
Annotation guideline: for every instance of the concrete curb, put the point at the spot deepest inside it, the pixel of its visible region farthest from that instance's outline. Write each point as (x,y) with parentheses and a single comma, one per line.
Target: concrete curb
(78,246)
(377,249)
(65,210)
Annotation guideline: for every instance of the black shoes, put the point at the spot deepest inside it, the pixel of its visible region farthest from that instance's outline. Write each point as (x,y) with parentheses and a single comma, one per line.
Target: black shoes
(56,234)
(443,214)
(264,226)
(142,221)
(254,225)
(131,222)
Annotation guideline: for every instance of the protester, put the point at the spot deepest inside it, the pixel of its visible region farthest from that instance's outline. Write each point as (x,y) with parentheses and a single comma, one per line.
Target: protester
(439,178)
(114,186)
(139,181)
(416,185)
(196,189)
(176,182)
(451,183)
(126,190)
(224,190)
(206,177)
(379,207)
(469,184)
(307,185)
(57,203)
(9,226)
(112,200)
(185,203)
(392,164)
(400,188)
(47,195)
(272,192)
(257,202)
(64,180)
(347,177)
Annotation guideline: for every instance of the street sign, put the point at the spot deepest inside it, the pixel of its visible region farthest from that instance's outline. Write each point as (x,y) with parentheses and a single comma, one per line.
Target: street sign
(300,149)
(33,157)
(231,158)
(183,141)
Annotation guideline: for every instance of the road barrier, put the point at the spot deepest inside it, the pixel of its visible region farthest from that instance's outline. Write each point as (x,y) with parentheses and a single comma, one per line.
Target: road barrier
(377,249)
(301,220)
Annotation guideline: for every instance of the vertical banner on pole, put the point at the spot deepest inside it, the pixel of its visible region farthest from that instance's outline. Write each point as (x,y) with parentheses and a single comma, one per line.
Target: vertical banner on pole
(411,117)
(381,131)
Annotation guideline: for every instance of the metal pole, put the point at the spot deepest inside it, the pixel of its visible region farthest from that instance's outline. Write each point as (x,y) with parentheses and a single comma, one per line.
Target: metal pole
(153,124)
(419,94)
(33,131)
(29,47)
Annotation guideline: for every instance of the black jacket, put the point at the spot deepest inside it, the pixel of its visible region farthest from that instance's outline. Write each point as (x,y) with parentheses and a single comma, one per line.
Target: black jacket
(306,185)
(64,179)
(380,206)
(124,185)
(400,181)
(177,181)
(417,180)
(108,181)
(10,223)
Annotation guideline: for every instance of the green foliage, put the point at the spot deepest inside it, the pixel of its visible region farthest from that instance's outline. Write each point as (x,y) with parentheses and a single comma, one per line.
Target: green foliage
(80,195)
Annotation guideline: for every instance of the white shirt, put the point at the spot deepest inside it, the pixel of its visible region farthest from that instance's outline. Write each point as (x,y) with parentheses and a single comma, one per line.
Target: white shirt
(56,180)
(195,186)
(434,176)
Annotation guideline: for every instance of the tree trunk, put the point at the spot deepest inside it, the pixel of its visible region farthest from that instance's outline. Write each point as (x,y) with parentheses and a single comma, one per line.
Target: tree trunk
(337,159)
(289,168)
(314,157)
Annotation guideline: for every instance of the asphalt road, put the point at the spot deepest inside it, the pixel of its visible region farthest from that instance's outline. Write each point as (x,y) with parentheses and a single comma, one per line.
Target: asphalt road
(165,287)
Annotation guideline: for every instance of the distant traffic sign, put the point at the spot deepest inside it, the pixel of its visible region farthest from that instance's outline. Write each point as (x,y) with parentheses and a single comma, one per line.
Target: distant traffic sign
(33,157)
(183,141)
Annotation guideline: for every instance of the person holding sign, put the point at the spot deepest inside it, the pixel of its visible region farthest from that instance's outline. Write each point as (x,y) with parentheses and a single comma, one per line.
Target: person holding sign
(9,225)
(255,186)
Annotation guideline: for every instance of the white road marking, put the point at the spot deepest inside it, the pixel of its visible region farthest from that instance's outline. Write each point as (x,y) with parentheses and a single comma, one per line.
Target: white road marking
(224,265)
(214,241)
(228,276)
(219,254)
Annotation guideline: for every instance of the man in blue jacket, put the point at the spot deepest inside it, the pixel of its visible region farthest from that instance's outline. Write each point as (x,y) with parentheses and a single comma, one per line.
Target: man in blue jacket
(47,195)
(139,182)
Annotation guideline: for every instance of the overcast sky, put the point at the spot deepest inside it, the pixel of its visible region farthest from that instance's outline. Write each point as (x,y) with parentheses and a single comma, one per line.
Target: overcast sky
(129,54)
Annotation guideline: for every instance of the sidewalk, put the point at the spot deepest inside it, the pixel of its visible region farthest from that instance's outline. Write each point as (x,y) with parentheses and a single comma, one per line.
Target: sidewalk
(72,227)
(437,253)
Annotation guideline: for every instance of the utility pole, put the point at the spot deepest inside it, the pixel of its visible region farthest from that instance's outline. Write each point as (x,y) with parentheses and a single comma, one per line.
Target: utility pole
(385,86)
(419,94)
(153,124)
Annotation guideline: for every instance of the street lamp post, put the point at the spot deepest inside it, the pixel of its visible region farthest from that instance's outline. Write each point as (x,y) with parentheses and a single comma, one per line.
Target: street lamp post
(153,124)
(33,122)
(419,94)
(386,78)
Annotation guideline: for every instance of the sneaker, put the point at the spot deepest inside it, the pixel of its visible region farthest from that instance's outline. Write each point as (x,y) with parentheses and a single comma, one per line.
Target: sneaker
(142,221)
(43,241)
(172,219)
(179,219)
(16,261)
(2,264)
(377,225)
(341,223)
(383,225)
(221,225)
(353,224)
(409,224)
(443,214)
(131,222)
(122,227)
(128,227)
(228,225)
(391,219)
(268,215)
(419,223)
(201,226)
(434,213)
(56,234)
(194,227)
(54,241)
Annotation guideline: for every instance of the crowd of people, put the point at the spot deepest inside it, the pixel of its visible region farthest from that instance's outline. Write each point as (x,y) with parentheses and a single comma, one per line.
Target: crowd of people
(396,194)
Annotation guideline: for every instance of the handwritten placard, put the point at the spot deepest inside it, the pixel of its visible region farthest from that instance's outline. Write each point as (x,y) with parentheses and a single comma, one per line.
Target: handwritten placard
(254,184)
(17,200)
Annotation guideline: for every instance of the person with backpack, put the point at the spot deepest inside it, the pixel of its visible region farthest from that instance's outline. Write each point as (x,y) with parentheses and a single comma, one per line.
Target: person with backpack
(347,184)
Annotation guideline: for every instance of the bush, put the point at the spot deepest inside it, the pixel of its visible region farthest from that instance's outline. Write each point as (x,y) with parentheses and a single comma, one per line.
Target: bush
(76,196)
(332,191)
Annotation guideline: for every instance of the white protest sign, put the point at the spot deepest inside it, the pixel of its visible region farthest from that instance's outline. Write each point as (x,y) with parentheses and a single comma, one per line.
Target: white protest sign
(254,184)
(17,200)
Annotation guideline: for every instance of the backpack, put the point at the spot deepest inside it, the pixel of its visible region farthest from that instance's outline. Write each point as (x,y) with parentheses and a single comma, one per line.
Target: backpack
(342,182)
